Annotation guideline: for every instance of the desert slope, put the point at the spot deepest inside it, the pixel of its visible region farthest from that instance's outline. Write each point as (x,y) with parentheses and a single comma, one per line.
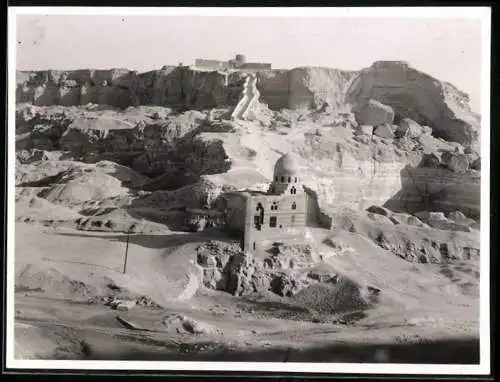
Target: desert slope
(113,159)
(416,95)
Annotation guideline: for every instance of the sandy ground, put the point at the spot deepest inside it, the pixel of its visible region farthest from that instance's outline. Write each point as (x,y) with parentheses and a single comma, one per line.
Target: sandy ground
(424,316)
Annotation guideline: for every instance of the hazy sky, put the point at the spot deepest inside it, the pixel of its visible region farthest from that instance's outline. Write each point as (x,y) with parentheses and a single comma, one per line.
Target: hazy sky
(448,49)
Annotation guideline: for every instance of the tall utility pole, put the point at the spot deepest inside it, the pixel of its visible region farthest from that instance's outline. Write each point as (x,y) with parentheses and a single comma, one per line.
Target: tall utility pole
(126,253)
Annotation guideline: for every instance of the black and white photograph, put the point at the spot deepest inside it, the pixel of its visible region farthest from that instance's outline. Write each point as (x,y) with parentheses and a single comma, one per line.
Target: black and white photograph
(301,189)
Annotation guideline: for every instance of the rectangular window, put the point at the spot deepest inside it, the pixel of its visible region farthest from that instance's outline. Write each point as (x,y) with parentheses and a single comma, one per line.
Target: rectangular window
(272,221)
(293,218)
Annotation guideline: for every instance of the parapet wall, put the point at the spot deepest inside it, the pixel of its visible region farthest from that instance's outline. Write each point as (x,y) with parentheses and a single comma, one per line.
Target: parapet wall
(255,66)
(202,63)
(210,64)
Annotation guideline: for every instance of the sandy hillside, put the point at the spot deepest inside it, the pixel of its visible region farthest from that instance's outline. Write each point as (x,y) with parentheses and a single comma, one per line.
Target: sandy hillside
(419,301)
(386,270)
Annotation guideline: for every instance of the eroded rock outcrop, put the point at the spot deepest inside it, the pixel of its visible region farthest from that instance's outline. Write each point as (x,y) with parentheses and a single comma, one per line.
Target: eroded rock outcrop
(373,113)
(181,87)
(409,238)
(201,194)
(409,128)
(194,158)
(115,87)
(80,132)
(341,174)
(416,95)
(384,131)
(311,88)
(437,189)
(455,161)
(286,272)
(178,87)
(440,221)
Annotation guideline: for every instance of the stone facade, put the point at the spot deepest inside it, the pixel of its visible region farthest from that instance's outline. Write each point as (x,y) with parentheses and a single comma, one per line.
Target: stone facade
(238,63)
(276,215)
(212,64)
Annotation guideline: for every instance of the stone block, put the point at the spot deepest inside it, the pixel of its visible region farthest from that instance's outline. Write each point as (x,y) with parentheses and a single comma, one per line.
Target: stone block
(455,161)
(365,130)
(384,131)
(374,113)
(379,210)
(409,128)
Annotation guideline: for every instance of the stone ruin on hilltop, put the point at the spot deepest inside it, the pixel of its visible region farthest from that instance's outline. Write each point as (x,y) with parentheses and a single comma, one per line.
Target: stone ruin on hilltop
(238,63)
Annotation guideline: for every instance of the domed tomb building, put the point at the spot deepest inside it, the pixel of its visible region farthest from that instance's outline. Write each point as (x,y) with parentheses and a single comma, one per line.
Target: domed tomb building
(273,216)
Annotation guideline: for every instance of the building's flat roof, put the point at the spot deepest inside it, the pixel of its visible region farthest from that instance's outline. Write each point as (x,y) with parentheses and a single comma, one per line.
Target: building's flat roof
(255,192)
(247,193)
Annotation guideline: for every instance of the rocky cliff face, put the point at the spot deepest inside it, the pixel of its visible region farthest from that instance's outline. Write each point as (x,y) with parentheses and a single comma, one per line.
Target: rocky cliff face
(274,88)
(411,93)
(343,174)
(348,176)
(177,87)
(388,150)
(438,189)
(115,87)
(176,149)
(311,88)
(180,87)
(418,96)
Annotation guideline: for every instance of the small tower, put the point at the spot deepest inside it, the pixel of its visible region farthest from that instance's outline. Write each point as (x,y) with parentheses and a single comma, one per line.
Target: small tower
(240,60)
(286,177)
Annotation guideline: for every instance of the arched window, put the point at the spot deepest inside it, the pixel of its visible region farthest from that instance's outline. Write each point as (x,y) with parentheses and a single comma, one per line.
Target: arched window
(293,218)
(295,179)
(276,178)
(293,190)
(294,206)
(289,179)
(261,212)
(256,222)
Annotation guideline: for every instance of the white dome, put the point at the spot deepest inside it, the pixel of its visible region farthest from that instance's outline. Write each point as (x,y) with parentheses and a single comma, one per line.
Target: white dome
(286,165)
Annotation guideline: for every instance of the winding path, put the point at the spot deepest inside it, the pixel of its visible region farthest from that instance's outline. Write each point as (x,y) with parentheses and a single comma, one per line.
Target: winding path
(249,99)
